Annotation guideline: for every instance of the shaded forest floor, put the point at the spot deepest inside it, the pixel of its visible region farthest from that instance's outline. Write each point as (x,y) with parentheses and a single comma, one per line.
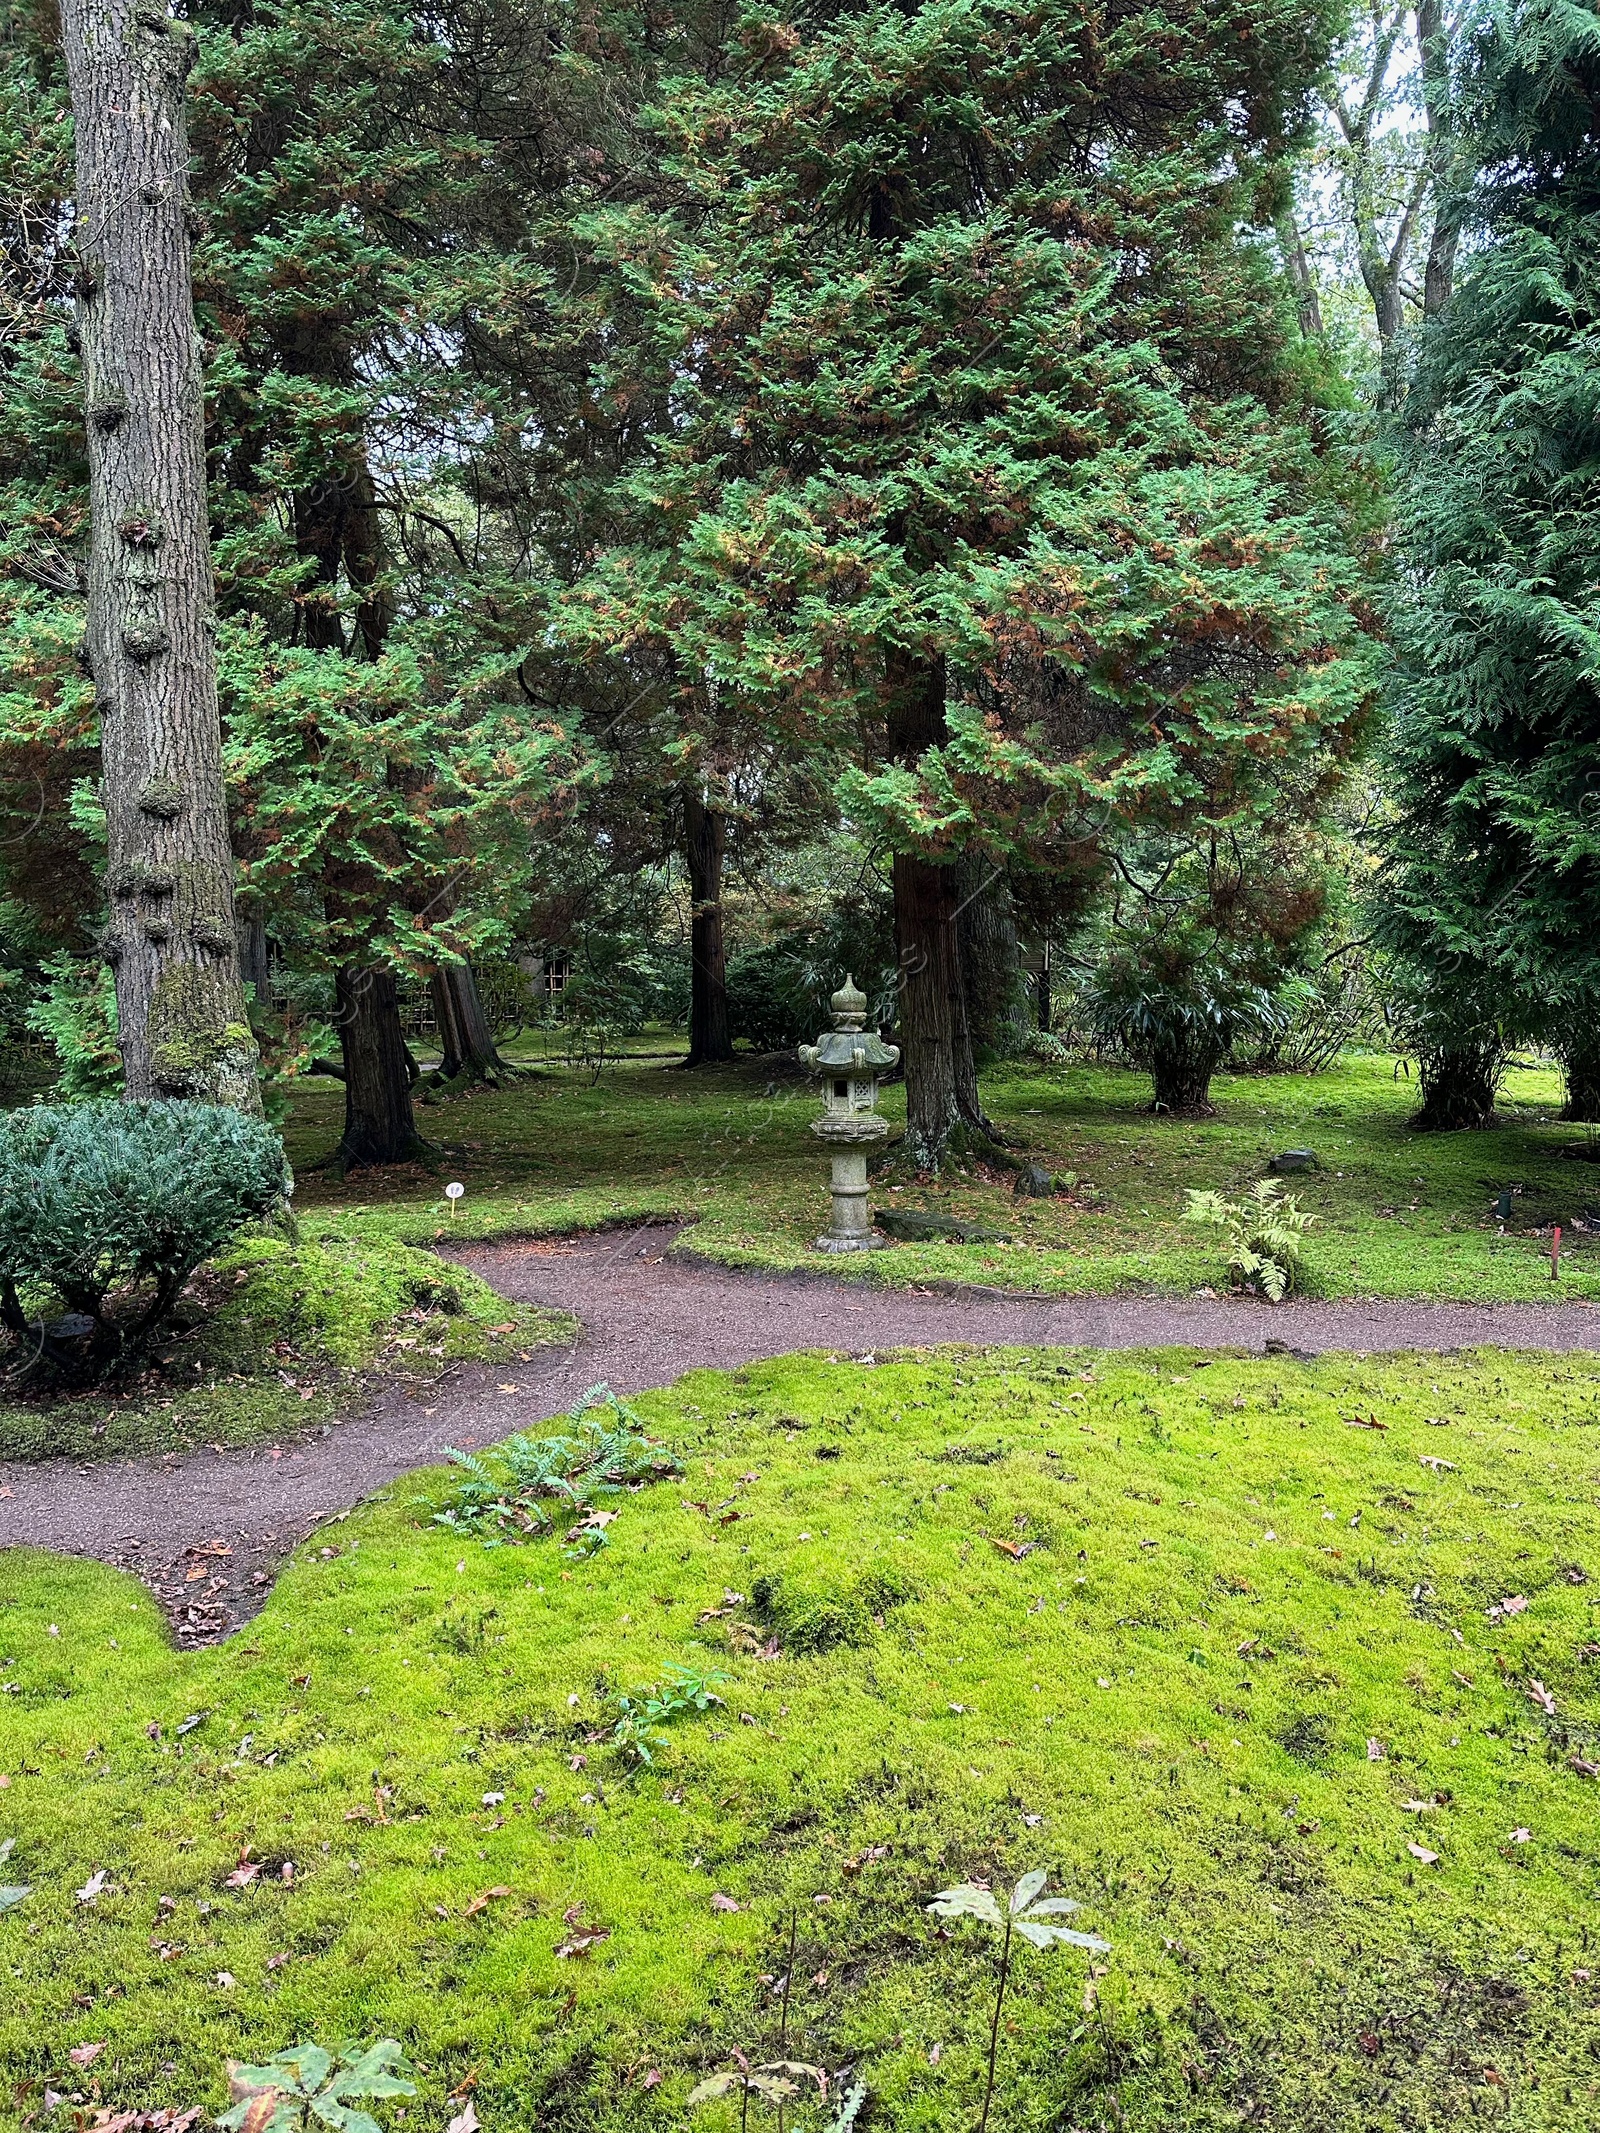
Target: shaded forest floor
(1399,1213)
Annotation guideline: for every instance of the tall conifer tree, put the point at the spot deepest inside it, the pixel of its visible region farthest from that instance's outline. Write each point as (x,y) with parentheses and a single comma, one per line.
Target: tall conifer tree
(982,476)
(1493,887)
(150,642)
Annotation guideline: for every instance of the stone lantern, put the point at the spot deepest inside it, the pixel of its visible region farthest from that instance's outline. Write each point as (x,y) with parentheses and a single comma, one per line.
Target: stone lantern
(849,1058)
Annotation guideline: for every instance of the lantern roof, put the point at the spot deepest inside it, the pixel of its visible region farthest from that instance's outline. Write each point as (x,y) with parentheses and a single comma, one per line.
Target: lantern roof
(848,1047)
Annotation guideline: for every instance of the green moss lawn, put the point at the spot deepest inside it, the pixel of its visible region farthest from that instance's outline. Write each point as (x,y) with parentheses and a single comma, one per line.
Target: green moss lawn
(276,1337)
(1400,1213)
(1290,1672)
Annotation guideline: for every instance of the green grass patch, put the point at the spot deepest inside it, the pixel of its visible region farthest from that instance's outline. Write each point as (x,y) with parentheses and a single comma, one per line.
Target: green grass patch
(276,1338)
(1399,1213)
(1222,1643)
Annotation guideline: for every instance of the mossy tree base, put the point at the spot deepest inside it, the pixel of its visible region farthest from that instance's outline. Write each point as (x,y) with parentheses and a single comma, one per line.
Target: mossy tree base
(1459,1087)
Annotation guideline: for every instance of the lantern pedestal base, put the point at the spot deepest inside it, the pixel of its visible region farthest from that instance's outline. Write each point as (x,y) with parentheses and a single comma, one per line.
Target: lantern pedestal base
(850,1229)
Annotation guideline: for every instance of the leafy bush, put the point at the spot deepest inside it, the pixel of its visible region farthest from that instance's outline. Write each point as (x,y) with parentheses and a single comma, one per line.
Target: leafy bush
(1345,1001)
(1045,1045)
(1176,1002)
(102,1200)
(778,994)
(1262,1234)
(76,1014)
(502,1495)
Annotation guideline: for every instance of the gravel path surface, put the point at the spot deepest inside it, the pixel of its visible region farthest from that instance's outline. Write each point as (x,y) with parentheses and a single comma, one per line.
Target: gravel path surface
(206,1530)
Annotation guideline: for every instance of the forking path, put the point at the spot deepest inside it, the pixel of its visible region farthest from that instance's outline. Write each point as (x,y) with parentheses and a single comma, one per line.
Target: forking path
(647,1315)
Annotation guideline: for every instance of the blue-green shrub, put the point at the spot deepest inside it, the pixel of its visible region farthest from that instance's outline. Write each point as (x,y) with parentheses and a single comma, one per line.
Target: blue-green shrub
(100,1199)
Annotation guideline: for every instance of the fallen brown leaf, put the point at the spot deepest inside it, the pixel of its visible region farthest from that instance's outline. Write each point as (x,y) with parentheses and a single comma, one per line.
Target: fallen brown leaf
(489,1896)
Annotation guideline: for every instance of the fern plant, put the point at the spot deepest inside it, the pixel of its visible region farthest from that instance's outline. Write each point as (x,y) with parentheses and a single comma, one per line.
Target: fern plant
(502,1494)
(1262,1235)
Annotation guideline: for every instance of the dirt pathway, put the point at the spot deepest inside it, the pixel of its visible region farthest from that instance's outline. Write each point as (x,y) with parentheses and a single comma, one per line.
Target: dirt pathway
(206,1530)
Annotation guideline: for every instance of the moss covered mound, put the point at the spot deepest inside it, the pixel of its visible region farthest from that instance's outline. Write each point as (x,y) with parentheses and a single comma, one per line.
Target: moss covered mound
(334,1298)
(1291,1673)
(274,1335)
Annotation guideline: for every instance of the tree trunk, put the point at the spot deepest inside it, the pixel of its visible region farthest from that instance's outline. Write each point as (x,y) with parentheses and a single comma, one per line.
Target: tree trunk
(1307,302)
(1042,988)
(989,957)
(942,1100)
(705,839)
(1182,1083)
(464,1032)
(1459,1086)
(183,1030)
(1581,1063)
(336,523)
(929,1021)
(255,961)
(379,1126)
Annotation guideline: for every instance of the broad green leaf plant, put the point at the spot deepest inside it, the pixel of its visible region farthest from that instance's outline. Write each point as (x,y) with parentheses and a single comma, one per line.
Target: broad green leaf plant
(645,1711)
(1032,1915)
(306,2086)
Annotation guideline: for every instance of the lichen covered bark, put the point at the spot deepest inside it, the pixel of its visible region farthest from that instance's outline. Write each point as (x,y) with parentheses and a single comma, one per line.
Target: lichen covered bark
(170,935)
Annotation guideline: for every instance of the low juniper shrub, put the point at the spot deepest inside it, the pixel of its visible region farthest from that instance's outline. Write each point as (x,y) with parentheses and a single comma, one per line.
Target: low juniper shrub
(107,1208)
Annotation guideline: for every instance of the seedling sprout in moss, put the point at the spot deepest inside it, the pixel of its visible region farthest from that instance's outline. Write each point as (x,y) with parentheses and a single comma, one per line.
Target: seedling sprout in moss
(1029,1913)
(774,2083)
(305,2083)
(682,1689)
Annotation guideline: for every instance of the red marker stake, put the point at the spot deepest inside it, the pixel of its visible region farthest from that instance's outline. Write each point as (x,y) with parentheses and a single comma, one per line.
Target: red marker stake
(1555,1253)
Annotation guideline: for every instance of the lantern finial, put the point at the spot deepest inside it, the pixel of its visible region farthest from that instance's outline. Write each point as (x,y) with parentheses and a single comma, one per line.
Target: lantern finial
(849,1006)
